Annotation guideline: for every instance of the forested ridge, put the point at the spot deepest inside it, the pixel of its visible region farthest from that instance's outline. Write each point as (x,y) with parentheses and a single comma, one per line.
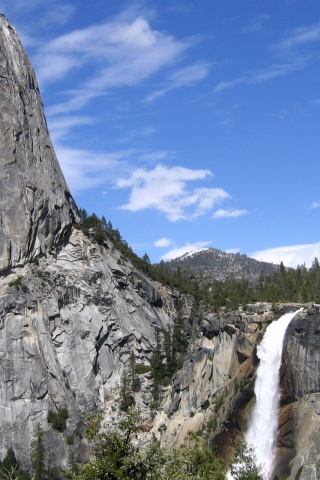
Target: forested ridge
(284,284)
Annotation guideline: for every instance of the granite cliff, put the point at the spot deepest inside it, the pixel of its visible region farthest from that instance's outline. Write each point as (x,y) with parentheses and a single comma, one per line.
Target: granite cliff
(72,312)
(36,207)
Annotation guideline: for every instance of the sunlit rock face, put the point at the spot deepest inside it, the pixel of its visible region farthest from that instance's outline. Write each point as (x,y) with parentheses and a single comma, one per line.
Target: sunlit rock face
(36,208)
(298,439)
(68,325)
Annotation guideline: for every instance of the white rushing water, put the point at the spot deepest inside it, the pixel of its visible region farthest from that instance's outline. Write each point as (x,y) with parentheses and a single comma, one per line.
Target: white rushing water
(263,423)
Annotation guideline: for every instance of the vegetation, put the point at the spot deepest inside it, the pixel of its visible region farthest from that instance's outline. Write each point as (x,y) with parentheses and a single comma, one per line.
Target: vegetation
(58,420)
(282,285)
(116,456)
(39,455)
(167,357)
(9,468)
(245,466)
(126,393)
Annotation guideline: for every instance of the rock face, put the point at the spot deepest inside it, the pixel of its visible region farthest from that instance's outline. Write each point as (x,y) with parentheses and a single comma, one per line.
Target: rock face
(67,328)
(36,208)
(71,312)
(300,415)
(214,377)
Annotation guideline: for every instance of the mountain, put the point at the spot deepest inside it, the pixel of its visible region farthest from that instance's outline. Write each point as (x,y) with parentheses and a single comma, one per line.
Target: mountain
(36,207)
(212,264)
(74,312)
(71,311)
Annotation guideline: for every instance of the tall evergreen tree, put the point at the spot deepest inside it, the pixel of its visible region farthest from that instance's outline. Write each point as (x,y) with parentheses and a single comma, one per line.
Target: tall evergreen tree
(126,397)
(134,378)
(157,366)
(39,455)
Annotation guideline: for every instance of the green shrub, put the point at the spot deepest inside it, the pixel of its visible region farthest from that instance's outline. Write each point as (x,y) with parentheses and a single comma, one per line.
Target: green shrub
(58,420)
(17,282)
(205,405)
(141,369)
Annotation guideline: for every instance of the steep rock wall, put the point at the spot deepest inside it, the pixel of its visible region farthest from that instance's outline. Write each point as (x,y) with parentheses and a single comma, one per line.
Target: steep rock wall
(36,208)
(214,378)
(68,325)
(300,414)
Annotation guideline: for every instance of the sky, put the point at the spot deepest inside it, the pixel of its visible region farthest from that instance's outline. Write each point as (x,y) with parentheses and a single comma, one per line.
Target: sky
(187,124)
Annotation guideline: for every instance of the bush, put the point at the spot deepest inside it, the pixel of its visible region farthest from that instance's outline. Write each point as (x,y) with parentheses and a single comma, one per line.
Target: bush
(58,420)
(141,369)
(17,282)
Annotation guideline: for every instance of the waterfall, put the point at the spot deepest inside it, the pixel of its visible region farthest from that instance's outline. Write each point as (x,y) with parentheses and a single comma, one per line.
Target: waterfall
(263,424)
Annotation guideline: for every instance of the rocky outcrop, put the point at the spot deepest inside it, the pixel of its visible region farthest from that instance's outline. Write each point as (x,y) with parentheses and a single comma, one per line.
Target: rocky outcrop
(36,208)
(214,377)
(298,438)
(68,324)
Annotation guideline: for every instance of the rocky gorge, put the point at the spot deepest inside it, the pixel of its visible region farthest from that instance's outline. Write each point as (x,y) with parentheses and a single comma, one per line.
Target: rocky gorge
(73,311)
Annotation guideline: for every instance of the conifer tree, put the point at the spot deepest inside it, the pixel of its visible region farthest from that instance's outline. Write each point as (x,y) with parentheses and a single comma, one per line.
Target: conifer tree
(134,379)
(39,455)
(126,397)
(157,366)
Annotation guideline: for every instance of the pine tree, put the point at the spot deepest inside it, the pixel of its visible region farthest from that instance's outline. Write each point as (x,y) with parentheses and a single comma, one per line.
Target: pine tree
(9,466)
(126,397)
(39,455)
(157,366)
(134,379)
(245,466)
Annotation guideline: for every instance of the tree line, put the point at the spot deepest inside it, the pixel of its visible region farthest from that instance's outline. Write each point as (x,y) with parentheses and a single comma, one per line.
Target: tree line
(286,284)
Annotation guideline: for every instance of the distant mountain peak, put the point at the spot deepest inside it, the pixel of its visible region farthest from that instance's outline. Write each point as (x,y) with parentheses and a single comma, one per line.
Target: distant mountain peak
(213,264)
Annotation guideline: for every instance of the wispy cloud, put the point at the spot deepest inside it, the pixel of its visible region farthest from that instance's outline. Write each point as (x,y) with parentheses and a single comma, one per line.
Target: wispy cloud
(163,242)
(291,256)
(114,54)
(184,77)
(60,127)
(86,169)
(221,213)
(46,15)
(165,189)
(299,37)
(289,50)
(263,75)
(315,205)
(257,24)
(187,248)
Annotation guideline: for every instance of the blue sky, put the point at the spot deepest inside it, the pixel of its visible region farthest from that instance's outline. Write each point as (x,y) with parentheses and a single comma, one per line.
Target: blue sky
(187,124)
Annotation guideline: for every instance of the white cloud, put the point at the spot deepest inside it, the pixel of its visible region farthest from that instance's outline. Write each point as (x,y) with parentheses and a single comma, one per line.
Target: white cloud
(222,213)
(85,169)
(184,77)
(118,53)
(165,189)
(291,256)
(315,205)
(163,242)
(188,248)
